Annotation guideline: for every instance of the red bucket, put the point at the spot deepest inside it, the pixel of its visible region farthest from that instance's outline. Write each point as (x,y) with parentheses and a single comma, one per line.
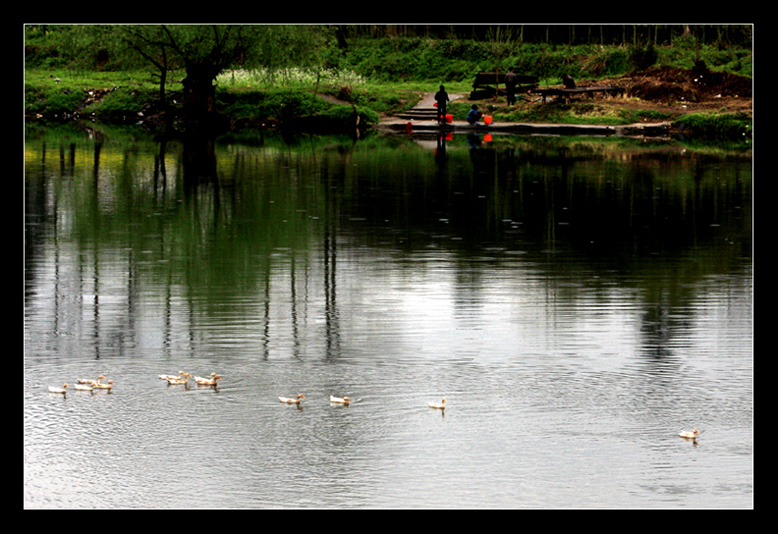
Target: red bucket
(449,119)
(488,119)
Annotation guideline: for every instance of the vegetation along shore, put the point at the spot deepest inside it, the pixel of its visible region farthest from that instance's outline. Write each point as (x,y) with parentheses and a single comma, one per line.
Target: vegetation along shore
(172,79)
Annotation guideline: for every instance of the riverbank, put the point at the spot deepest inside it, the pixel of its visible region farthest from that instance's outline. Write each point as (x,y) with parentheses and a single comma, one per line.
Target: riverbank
(421,118)
(658,101)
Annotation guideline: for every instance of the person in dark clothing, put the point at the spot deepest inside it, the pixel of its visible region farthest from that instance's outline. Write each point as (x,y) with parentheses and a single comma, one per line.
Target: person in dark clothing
(511,81)
(568,81)
(441,97)
(474,115)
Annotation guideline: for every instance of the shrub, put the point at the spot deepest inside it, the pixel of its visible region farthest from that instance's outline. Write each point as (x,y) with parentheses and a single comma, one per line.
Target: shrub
(120,103)
(643,57)
(54,103)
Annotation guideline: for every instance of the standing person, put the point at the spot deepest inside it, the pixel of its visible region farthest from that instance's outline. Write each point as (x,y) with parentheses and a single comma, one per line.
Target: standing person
(441,97)
(511,81)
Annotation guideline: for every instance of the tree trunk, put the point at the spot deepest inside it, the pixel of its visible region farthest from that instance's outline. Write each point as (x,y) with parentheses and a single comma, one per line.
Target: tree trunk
(199,109)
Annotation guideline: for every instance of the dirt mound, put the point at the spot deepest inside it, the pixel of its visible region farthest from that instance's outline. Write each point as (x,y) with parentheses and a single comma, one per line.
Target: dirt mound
(663,84)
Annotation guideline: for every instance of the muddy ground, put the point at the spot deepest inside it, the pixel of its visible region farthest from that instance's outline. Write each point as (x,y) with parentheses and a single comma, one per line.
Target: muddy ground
(670,91)
(681,91)
(677,91)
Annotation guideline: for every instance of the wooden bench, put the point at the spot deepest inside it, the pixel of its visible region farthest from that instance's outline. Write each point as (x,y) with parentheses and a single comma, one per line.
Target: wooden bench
(489,79)
(487,84)
(566,93)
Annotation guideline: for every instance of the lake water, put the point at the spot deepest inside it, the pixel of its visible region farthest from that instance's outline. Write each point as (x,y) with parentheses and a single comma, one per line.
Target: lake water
(577,302)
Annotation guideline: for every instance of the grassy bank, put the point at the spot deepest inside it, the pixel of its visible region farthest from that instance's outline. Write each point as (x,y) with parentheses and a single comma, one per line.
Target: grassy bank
(383,77)
(130,97)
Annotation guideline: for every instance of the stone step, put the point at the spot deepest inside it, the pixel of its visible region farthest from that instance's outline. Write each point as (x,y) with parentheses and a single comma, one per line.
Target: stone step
(419,114)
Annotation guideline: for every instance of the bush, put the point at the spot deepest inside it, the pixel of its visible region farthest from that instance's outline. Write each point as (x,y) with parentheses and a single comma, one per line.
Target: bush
(643,57)
(120,102)
(53,103)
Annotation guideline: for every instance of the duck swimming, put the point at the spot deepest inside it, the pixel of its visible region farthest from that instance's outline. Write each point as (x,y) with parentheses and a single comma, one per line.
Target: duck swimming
(107,385)
(438,405)
(207,381)
(84,387)
(89,380)
(295,400)
(340,400)
(171,377)
(55,389)
(690,435)
(175,381)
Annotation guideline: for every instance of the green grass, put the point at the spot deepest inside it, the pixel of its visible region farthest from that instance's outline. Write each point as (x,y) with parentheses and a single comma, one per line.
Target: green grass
(573,113)
(61,92)
(240,95)
(256,97)
(715,125)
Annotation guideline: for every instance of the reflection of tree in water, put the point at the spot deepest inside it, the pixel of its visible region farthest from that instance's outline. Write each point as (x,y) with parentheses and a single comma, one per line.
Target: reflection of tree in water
(657,330)
(648,220)
(199,160)
(329,259)
(662,223)
(662,327)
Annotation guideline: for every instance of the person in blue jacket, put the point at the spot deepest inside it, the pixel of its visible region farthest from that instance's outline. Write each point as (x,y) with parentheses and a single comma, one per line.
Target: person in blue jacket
(473,116)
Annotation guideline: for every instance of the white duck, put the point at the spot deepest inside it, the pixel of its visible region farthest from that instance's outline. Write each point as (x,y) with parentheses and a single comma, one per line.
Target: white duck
(438,405)
(107,385)
(171,377)
(340,400)
(55,389)
(84,387)
(292,400)
(175,381)
(207,381)
(89,380)
(690,435)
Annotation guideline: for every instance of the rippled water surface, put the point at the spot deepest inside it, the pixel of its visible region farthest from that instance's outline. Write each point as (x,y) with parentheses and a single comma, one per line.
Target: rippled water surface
(576,302)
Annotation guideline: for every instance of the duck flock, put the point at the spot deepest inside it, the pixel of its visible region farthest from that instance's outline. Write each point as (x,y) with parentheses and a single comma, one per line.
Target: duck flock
(182,378)
(84,384)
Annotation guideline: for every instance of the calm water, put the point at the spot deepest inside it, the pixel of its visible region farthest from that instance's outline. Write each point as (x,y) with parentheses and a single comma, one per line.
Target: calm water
(577,302)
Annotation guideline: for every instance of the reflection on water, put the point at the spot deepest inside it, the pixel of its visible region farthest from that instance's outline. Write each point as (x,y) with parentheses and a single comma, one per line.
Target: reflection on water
(577,302)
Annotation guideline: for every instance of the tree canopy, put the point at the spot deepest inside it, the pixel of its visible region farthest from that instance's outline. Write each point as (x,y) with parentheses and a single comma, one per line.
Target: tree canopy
(202,51)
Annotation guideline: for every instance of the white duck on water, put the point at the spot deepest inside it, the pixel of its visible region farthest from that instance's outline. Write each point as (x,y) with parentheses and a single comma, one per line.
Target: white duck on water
(176,381)
(438,405)
(171,377)
(211,381)
(56,389)
(90,381)
(292,400)
(340,400)
(690,435)
(106,385)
